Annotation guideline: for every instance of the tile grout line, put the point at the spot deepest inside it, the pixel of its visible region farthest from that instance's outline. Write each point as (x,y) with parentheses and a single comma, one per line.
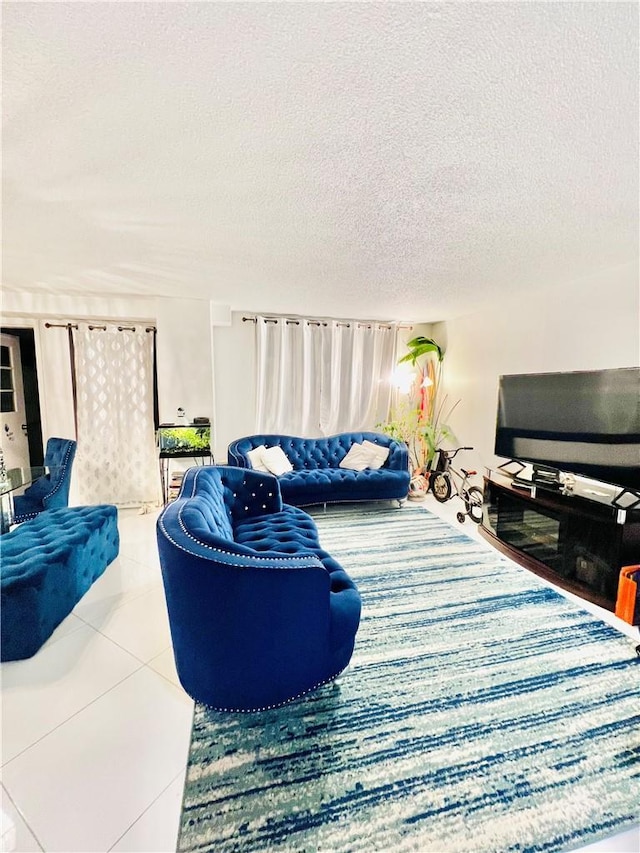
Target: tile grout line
(22,817)
(142,813)
(114,609)
(75,713)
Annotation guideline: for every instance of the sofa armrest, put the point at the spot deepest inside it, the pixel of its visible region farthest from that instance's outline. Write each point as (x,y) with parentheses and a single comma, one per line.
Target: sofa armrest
(345,616)
(235,456)
(398,459)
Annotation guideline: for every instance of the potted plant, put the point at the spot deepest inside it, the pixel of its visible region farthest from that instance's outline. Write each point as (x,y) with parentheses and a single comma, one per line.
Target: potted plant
(421,420)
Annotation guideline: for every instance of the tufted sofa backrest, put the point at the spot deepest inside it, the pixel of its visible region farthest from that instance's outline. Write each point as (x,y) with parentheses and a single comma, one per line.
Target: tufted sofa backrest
(60,452)
(206,513)
(214,498)
(59,458)
(316,453)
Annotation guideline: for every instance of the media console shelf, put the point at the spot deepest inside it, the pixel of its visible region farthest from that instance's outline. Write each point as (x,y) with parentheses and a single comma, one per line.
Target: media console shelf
(577,543)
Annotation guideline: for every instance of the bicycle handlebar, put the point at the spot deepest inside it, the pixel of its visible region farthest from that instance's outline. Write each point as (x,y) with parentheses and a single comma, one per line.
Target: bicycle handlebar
(451,453)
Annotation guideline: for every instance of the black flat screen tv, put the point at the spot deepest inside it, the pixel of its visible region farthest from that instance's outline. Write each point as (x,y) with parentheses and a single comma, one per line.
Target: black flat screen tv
(585,422)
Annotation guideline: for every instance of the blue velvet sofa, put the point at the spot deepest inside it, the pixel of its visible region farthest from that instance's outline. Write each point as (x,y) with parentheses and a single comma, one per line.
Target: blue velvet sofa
(259,613)
(48,563)
(317,476)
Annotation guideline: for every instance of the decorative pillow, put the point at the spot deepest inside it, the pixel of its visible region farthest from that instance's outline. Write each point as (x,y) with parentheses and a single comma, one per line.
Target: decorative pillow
(377,453)
(255,457)
(357,459)
(276,461)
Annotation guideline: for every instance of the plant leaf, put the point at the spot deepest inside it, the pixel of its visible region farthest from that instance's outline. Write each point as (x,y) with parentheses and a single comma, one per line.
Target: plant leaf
(420,346)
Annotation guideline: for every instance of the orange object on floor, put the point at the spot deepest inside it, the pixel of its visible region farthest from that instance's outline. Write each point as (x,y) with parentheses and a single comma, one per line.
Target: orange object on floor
(627,604)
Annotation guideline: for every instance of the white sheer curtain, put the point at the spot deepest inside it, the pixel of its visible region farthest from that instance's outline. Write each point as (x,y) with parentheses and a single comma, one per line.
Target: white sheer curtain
(288,375)
(320,377)
(54,375)
(56,389)
(116,460)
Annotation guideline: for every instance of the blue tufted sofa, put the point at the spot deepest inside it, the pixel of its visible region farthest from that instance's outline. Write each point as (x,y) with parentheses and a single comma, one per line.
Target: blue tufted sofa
(317,476)
(48,563)
(259,613)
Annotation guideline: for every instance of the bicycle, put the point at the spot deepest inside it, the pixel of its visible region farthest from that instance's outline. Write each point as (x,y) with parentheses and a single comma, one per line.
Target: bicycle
(446,481)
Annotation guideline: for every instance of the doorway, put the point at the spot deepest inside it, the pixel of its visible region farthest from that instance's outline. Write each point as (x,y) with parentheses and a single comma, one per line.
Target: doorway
(21,431)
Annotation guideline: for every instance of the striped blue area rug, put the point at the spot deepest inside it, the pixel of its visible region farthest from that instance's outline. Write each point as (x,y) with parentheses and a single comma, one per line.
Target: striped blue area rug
(482,712)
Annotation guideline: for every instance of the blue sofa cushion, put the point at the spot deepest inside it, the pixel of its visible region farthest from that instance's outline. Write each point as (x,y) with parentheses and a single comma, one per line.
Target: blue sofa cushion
(341,484)
(48,563)
(290,531)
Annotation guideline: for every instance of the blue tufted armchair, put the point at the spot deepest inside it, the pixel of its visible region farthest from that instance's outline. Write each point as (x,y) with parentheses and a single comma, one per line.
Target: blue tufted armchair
(259,613)
(52,490)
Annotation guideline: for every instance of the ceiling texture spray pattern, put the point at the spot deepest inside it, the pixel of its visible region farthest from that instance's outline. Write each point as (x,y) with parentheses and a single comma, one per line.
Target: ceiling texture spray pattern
(387,160)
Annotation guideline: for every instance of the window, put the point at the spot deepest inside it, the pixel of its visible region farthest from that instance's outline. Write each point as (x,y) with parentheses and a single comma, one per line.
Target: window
(7,387)
(322,376)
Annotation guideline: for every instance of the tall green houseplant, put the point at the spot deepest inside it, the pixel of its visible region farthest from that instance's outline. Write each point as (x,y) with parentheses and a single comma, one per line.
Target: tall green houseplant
(421,423)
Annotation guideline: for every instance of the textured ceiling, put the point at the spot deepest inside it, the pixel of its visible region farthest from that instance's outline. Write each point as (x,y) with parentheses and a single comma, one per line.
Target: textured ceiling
(407,160)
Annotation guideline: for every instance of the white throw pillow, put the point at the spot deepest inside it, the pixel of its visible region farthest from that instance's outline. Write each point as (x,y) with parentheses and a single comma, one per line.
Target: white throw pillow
(276,461)
(377,453)
(255,457)
(357,459)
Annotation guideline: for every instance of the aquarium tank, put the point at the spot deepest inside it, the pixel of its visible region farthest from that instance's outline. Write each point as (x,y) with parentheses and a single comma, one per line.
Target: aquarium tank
(184,440)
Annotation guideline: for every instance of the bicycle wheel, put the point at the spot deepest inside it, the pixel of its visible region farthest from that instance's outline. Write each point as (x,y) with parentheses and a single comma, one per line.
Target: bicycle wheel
(473,503)
(441,486)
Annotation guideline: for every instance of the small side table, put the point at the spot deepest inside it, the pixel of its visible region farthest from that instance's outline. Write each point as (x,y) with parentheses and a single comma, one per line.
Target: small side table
(166,456)
(182,441)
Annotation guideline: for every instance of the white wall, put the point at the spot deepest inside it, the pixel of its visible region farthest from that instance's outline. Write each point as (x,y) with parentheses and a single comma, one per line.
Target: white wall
(184,342)
(592,323)
(184,348)
(235,383)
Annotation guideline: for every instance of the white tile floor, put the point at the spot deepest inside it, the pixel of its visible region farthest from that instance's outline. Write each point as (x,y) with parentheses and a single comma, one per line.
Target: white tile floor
(96,727)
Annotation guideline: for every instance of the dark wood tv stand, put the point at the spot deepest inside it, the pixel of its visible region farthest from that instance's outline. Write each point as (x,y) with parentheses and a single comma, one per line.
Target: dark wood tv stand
(577,543)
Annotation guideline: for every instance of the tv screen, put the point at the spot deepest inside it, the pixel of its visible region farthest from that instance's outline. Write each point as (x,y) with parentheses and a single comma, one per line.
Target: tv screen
(587,422)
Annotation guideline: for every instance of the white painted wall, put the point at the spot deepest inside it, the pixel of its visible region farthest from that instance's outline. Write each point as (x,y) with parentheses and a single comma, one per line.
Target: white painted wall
(235,383)
(184,348)
(184,358)
(590,324)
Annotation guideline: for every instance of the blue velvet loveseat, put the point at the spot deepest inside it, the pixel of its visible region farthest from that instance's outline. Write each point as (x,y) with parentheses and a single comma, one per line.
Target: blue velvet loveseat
(317,475)
(259,613)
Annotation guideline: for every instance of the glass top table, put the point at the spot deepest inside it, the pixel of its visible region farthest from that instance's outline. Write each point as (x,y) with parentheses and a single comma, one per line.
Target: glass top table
(15,479)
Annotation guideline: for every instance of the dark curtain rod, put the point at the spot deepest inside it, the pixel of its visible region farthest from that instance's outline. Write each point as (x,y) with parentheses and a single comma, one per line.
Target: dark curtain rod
(321,323)
(95,328)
